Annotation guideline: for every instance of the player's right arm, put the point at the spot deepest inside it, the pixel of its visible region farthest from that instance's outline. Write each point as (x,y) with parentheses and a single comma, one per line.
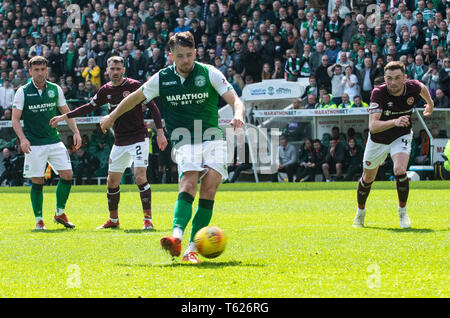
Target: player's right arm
(376,125)
(19,99)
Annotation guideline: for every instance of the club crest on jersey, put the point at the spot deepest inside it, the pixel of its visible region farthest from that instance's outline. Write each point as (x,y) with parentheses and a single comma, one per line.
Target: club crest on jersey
(200,81)
(51,94)
(108,96)
(410,100)
(126,93)
(368,163)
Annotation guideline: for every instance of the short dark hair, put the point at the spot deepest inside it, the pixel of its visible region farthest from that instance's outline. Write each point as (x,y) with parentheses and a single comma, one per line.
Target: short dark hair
(395,65)
(115,59)
(38,60)
(185,39)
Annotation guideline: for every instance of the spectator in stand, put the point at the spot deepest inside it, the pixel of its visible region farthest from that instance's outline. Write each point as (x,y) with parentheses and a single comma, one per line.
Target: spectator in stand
(346,102)
(419,68)
(423,148)
(366,77)
(287,160)
(322,74)
(441,101)
(334,161)
(92,73)
(357,102)
(13,169)
(311,88)
(278,72)
(6,96)
(350,83)
(353,158)
(306,168)
(335,73)
(311,102)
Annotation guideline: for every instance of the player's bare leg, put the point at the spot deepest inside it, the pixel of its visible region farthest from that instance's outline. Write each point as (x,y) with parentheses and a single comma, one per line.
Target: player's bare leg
(140,174)
(37,198)
(208,188)
(182,213)
(400,165)
(62,194)
(113,196)
(364,186)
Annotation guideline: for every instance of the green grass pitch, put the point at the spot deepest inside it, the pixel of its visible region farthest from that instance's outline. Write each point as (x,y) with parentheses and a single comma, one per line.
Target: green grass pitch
(284,240)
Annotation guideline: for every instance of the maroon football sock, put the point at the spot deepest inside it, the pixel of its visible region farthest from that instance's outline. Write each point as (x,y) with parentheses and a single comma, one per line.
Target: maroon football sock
(402,189)
(363,193)
(146,199)
(113,195)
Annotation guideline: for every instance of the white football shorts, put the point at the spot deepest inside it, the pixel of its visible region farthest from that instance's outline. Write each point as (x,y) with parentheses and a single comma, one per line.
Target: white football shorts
(200,157)
(376,153)
(122,157)
(36,161)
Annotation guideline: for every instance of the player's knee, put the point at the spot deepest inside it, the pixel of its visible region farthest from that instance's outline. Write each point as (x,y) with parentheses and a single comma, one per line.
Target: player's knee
(208,193)
(325,166)
(141,179)
(398,171)
(66,175)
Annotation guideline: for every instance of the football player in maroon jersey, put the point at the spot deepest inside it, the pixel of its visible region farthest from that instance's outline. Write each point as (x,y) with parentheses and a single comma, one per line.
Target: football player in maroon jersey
(131,144)
(391,106)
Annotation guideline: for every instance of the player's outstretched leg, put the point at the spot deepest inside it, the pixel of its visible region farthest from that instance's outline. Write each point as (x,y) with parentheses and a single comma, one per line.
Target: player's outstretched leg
(403,191)
(62,194)
(201,219)
(182,215)
(37,198)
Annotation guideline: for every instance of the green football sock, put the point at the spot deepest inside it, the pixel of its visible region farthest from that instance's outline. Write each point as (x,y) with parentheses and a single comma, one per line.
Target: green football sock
(62,194)
(183,210)
(202,216)
(37,197)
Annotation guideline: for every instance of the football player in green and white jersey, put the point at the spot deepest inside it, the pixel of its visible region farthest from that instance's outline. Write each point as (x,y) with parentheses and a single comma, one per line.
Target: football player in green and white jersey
(36,103)
(190,93)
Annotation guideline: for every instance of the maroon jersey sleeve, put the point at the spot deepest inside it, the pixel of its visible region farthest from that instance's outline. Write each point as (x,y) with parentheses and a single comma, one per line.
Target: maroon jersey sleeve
(156,115)
(414,86)
(97,101)
(376,101)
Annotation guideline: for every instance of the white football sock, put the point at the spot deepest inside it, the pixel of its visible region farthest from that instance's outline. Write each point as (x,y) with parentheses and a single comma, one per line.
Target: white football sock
(190,248)
(59,211)
(401,210)
(38,218)
(114,220)
(178,233)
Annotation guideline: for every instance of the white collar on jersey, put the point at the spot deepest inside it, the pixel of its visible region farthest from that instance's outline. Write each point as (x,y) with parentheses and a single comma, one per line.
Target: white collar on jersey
(38,89)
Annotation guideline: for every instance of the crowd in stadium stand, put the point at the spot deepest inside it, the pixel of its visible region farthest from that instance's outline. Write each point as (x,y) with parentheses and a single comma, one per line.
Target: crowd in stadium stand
(339,47)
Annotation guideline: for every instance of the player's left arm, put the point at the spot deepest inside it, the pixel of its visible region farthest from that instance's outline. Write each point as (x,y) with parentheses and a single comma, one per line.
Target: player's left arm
(72,125)
(425,94)
(226,90)
(238,107)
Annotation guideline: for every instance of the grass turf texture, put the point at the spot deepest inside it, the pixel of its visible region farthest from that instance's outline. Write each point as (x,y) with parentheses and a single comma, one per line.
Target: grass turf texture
(284,240)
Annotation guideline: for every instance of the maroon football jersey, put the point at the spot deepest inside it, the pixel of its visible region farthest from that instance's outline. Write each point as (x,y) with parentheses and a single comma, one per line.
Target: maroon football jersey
(392,107)
(129,128)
